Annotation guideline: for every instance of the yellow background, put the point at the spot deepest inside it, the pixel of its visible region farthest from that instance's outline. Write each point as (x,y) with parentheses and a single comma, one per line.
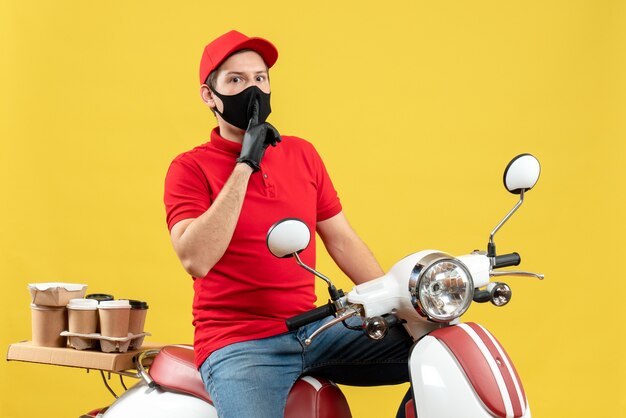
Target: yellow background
(416,108)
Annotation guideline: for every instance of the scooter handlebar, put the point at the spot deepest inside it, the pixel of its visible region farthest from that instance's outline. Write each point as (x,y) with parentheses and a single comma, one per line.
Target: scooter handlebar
(507,260)
(308,317)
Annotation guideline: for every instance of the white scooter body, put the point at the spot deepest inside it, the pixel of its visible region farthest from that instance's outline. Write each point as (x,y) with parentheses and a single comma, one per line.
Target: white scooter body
(143,401)
(436,375)
(442,389)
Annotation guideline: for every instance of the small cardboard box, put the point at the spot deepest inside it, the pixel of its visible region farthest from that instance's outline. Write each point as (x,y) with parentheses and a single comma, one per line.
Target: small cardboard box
(55,294)
(86,359)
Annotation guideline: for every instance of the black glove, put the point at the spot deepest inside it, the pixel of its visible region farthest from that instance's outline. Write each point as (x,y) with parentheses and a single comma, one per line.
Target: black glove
(255,141)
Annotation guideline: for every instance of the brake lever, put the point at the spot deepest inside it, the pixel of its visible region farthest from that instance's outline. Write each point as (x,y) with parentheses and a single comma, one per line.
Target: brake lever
(348,313)
(516,273)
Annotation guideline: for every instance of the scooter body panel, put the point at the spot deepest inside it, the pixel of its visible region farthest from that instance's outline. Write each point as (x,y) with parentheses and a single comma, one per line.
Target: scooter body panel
(442,388)
(141,400)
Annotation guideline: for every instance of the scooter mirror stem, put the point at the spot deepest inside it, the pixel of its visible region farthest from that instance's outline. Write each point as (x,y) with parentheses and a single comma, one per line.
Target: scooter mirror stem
(332,290)
(491,247)
(310,270)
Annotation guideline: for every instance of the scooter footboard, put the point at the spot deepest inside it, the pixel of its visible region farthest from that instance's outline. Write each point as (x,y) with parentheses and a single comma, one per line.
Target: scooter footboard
(462,370)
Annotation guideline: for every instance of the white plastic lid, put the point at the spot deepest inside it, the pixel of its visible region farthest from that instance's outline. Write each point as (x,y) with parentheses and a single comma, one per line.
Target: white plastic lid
(83,304)
(71,287)
(114,304)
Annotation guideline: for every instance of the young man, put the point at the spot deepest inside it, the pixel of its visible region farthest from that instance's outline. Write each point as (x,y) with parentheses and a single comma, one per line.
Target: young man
(221,199)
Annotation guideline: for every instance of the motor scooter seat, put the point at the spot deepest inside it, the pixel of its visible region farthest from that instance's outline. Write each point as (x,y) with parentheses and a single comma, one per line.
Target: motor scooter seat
(174,368)
(310,397)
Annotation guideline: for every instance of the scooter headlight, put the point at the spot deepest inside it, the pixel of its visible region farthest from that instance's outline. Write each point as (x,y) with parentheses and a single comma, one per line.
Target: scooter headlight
(442,287)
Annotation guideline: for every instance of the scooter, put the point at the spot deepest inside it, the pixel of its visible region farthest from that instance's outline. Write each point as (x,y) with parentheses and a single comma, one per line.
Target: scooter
(456,369)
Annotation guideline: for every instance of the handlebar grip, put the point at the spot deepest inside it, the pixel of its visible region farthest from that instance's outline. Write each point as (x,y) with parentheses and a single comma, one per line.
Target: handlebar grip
(507,260)
(313,315)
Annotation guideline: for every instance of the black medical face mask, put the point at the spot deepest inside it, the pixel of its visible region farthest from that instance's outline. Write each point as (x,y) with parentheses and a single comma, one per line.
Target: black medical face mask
(238,108)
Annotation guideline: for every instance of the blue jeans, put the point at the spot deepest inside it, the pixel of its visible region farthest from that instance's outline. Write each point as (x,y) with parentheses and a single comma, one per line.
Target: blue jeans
(253,378)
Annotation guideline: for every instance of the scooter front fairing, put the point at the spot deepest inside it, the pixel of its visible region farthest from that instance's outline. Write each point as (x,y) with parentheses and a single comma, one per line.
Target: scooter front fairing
(462,371)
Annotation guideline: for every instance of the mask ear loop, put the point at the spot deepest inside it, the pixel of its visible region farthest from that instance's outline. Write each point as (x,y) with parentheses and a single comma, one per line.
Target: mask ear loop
(220,97)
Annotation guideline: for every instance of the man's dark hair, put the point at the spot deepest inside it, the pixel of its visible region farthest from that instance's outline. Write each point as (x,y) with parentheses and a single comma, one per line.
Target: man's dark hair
(211,80)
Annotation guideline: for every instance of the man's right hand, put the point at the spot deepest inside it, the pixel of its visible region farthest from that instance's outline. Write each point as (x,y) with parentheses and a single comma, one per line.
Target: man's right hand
(255,141)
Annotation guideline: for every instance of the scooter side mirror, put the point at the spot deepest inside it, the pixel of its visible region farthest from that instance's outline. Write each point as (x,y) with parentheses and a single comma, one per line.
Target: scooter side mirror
(521,174)
(288,237)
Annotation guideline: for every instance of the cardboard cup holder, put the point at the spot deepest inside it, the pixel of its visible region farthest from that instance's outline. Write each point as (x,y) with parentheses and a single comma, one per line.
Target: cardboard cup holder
(97,322)
(107,344)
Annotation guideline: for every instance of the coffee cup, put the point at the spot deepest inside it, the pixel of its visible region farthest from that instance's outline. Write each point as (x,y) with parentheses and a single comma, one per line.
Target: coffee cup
(138,312)
(48,323)
(83,316)
(100,297)
(114,318)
